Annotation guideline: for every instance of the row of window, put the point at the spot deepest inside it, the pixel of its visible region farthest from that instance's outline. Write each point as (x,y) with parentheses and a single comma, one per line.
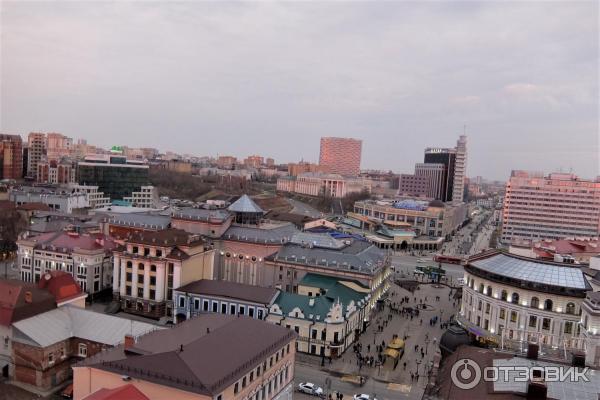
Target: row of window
(261,369)
(222,307)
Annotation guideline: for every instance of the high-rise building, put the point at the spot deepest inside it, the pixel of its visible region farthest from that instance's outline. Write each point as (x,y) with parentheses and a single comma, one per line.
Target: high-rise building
(460,169)
(11,153)
(341,155)
(552,207)
(254,161)
(117,177)
(58,146)
(36,143)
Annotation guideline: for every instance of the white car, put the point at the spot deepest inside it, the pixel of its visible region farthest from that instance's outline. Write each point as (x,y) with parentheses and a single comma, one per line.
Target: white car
(363,396)
(310,388)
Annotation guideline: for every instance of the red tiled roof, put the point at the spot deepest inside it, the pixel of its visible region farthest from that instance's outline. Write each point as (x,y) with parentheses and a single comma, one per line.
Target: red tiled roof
(125,392)
(13,304)
(61,285)
(71,240)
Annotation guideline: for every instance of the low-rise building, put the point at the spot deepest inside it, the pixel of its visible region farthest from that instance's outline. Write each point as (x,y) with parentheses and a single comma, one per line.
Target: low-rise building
(96,198)
(56,198)
(321,184)
(148,266)
(212,223)
(205,358)
(577,249)
(47,345)
(123,224)
(87,257)
(327,313)
(210,296)
(61,172)
(509,300)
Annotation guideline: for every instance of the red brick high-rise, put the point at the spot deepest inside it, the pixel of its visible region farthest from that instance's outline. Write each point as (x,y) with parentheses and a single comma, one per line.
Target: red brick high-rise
(341,155)
(11,157)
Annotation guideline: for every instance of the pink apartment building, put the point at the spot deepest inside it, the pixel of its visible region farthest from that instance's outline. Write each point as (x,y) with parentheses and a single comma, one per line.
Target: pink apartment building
(552,207)
(341,155)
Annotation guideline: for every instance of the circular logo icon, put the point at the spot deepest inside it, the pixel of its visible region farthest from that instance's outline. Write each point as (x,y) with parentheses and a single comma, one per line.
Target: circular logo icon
(465,374)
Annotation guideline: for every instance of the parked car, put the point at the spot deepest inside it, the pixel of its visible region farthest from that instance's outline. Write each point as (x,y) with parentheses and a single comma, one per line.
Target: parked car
(363,396)
(310,388)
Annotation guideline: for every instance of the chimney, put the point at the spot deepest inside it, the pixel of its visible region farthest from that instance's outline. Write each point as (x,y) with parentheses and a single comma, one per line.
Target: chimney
(28,297)
(129,341)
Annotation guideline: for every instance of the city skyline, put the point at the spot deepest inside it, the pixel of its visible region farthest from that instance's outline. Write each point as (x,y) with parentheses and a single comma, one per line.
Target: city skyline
(372,72)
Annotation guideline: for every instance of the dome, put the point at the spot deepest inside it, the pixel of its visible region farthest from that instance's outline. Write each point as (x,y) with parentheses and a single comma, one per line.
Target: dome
(454,337)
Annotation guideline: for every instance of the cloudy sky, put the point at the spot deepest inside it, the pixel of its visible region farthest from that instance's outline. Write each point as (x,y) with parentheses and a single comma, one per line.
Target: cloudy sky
(272,78)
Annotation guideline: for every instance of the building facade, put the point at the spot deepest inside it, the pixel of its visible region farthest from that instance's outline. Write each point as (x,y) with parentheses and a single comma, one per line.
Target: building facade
(550,207)
(341,155)
(319,184)
(55,198)
(11,157)
(511,300)
(211,223)
(148,266)
(87,257)
(58,146)
(61,172)
(36,144)
(229,298)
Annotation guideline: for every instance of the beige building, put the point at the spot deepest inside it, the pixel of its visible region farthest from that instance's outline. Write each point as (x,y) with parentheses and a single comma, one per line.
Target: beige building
(148,266)
(204,358)
(319,184)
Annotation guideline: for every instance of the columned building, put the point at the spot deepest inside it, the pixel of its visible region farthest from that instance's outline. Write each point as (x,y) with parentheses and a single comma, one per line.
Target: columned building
(148,266)
(510,301)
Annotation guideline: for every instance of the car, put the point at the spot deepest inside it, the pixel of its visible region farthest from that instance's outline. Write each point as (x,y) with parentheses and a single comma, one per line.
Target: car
(310,388)
(362,396)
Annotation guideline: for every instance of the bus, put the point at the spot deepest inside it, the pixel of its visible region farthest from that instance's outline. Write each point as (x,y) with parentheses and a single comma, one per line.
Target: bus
(447,259)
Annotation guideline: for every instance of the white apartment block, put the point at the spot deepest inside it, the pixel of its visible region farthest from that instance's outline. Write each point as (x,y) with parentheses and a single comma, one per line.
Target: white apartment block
(553,207)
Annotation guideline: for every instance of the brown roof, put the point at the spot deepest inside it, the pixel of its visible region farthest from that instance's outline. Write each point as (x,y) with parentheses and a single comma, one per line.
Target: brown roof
(34,207)
(14,305)
(230,290)
(128,392)
(165,237)
(216,353)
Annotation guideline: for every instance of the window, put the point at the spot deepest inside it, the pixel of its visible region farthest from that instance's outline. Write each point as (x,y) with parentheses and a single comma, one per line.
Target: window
(223,308)
(548,305)
(232,309)
(546,323)
(568,327)
(513,316)
(535,302)
(236,388)
(82,350)
(487,308)
(258,371)
(570,309)
(181,301)
(243,382)
(251,312)
(481,288)
(128,276)
(196,304)
(532,321)
(215,306)
(489,291)
(140,267)
(205,305)
(51,358)
(515,298)
(504,295)
(141,279)
(479,305)
(153,268)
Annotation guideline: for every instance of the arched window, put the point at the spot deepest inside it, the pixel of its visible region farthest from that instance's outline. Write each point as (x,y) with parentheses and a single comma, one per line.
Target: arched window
(141,266)
(535,302)
(504,295)
(481,288)
(570,308)
(153,268)
(515,298)
(129,264)
(548,305)
(489,291)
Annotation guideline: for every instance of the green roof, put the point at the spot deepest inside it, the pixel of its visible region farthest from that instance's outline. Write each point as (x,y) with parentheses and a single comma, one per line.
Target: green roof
(334,291)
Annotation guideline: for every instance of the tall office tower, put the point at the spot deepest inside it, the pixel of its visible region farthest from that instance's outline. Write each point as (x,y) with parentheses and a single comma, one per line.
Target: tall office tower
(435,175)
(37,149)
(58,146)
(341,155)
(553,207)
(11,157)
(460,169)
(446,157)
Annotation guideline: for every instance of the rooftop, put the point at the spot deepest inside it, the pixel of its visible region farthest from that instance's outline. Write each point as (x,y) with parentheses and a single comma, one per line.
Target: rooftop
(269,232)
(245,205)
(202,355)
(68,241)
(232,290)
(128,392)
(151,221)
(165,237)
(66,322)
(15,304)
(201,214)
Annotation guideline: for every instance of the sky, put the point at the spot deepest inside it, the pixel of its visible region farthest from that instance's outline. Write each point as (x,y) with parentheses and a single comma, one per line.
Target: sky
(271,78)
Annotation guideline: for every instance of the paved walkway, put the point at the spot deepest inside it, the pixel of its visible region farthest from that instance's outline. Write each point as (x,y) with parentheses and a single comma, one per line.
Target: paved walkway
(416,331)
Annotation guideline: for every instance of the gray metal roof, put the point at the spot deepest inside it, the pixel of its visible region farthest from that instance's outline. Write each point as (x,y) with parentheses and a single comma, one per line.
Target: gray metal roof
(281,233)
(245,205)
(200,214)
(532,271)
(322,240)
(68,321)
(141,220)
(359,256)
